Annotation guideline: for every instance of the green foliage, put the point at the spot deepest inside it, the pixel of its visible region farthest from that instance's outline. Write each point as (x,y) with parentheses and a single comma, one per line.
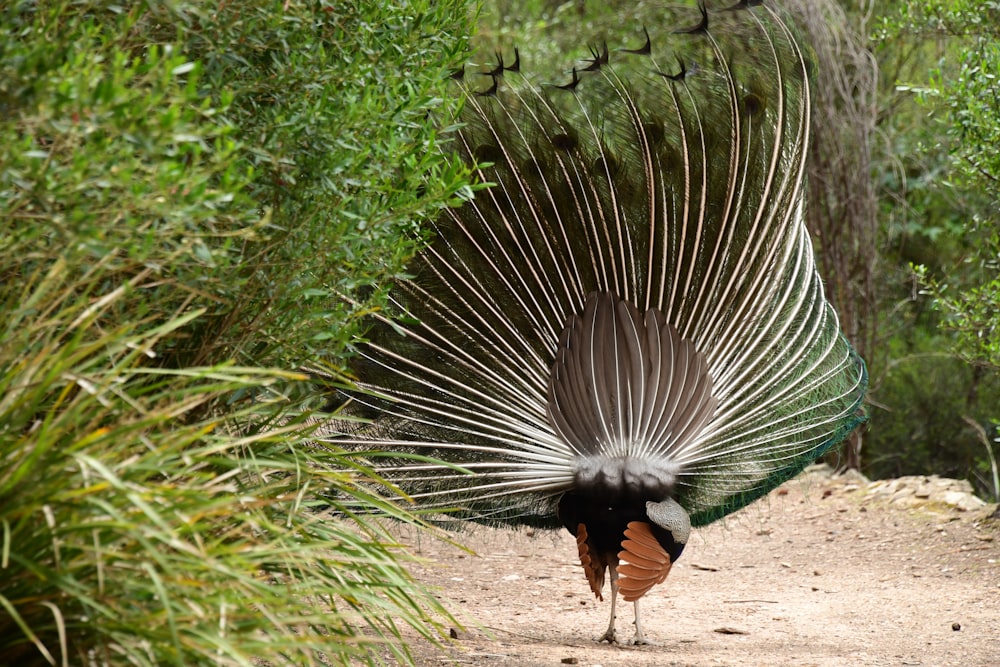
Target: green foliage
(941,122)
(972,305)
(924,396)
(133,535)
(966,87)
(332,102)
(301,136)
(191,193)
(973,313)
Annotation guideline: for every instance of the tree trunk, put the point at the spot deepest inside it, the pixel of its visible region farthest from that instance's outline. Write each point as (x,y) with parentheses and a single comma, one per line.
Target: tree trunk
(842,207)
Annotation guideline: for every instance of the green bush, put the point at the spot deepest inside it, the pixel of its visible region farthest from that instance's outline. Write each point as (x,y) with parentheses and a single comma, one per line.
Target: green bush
(191,193)
(279,159)
(942,220)
(918,424)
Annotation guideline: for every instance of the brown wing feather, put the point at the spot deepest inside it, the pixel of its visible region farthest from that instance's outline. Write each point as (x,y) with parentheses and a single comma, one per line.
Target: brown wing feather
(644,562)
(593,566)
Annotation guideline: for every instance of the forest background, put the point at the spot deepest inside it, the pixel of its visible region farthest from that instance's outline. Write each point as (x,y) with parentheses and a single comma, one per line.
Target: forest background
(187,189)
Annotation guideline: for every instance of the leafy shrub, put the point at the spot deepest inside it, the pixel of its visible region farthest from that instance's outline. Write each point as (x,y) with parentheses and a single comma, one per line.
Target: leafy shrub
(918,423)
(191,193)
(949,234)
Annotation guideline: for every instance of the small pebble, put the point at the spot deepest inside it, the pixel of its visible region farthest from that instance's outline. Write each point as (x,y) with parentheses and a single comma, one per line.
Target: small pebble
(956,626)
(569,661)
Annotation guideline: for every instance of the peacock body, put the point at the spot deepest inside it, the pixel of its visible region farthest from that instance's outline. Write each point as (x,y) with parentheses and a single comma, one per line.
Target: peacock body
(626,334)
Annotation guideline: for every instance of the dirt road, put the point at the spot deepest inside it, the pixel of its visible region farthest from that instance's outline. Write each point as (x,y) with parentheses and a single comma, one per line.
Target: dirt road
(826,571)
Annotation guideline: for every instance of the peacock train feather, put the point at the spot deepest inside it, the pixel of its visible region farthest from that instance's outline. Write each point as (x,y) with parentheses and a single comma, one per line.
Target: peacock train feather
(626,333)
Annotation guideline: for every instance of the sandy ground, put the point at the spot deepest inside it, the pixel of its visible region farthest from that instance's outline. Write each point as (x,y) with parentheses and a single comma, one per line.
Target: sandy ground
(825,571)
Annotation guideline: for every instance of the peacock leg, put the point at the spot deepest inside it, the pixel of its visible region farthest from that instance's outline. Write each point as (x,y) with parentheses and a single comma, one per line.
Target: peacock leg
(609,635)
(639,639)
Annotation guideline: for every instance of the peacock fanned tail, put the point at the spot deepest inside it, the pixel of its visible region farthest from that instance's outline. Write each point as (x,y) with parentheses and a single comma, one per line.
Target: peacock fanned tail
(635,298)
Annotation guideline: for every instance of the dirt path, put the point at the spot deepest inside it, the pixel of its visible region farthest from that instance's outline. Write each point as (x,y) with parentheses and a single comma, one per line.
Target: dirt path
(826,571)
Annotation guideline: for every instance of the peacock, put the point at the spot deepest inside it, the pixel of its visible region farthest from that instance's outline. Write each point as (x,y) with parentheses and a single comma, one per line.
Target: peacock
(625,335)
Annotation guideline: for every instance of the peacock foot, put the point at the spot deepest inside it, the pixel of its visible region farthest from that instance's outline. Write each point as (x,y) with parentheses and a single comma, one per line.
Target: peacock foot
(608,637)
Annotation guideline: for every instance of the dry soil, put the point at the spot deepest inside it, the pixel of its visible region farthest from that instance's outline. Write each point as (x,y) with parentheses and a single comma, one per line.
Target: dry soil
(826,571)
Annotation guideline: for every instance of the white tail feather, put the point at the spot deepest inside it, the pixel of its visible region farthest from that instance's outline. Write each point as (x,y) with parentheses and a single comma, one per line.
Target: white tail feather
(636,293)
